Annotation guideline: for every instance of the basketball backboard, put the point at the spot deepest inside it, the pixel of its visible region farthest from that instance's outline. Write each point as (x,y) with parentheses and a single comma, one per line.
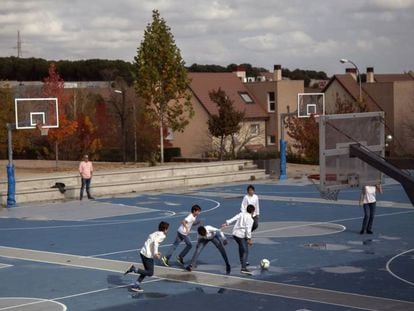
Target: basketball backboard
(32,112)
(336,133)
(311,104)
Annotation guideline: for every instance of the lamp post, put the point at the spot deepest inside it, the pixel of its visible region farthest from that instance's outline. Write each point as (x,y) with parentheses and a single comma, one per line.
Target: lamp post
(343,61)
(135,123)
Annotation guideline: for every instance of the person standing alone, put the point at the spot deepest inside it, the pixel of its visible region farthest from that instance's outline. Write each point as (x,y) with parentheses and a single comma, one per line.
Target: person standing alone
(86,172)
(368,202)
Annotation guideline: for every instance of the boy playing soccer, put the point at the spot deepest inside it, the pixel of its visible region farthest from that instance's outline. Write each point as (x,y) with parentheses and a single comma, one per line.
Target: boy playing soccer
(253,199)
(182,234)
(242,234)
(210,234)
(148,252)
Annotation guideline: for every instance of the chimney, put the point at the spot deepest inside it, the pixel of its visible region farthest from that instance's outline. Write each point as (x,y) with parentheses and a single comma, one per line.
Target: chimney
(370,75)
(352,72)
(241,73)
(277,72)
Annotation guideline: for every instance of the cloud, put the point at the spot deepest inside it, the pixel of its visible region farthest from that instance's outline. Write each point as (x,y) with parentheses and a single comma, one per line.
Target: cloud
(311,34)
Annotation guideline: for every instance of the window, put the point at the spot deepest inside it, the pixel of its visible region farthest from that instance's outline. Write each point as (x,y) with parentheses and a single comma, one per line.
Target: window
(271,139)
(271,104)
(246,97)
(254,129)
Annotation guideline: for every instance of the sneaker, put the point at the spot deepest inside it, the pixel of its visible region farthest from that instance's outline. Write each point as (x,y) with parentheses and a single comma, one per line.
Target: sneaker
(369,232)
(91,198)
(245,271)
(180,260)
(136,288)
(164,261)
(130,269)
(361,232)
(189,268)
(228,270)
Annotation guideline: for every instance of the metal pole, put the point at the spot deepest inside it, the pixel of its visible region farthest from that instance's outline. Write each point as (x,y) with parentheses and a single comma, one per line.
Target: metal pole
(11,182)
(135,134)
(282,146)
(359,79)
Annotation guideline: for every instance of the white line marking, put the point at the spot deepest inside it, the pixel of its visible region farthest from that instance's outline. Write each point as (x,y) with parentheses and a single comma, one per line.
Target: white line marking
(121,222)
(393,274)
(38,301)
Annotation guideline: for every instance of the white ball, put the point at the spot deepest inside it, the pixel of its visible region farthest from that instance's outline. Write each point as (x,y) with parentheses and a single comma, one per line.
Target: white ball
(265,264)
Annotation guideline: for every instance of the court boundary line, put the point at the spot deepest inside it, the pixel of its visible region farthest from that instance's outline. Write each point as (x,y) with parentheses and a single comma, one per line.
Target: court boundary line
(246,282)
(387,266)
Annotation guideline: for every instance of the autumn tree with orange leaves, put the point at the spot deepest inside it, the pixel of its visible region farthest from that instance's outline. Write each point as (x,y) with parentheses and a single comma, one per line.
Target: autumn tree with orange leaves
(54,87)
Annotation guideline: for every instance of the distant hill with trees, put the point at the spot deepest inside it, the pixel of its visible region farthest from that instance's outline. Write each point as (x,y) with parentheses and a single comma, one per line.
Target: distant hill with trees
(35,69)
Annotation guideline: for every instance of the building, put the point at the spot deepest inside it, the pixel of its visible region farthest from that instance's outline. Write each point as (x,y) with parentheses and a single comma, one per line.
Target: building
(276,96)
(391,93)
(195,140)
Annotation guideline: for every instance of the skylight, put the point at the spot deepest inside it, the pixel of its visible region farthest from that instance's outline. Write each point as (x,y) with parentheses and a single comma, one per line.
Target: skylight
(246,97)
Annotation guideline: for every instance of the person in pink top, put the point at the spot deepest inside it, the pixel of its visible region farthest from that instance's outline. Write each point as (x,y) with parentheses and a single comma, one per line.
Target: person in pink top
(86,172)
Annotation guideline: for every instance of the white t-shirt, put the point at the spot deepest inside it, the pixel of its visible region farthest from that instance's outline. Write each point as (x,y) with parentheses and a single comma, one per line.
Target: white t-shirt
(253,200)
(150,247)
(190,219)
(370,194)
(212,232)
(243,227)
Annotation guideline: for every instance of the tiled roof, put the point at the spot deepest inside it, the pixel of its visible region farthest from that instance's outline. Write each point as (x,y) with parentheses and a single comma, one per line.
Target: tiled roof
(393,77)
(204,82)
(352,87)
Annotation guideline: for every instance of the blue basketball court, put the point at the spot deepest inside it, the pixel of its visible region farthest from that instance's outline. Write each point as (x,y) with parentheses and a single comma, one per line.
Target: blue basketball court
(72,255)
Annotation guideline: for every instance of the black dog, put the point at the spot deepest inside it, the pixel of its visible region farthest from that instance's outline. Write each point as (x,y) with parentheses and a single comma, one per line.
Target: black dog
(61,186)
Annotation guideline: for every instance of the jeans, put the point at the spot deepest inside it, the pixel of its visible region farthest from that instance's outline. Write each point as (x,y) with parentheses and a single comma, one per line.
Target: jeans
(243,250)
(369,212)
(255,222)
(86,182)
(148,268)
(177,241)
(201,243)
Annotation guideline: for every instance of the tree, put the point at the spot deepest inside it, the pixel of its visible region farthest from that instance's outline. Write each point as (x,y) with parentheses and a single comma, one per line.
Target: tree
(305,131)
(228,120)
(54,87)
(162,79)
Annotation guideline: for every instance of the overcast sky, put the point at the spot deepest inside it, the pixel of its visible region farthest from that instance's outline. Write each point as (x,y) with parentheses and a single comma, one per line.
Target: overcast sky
(307,34)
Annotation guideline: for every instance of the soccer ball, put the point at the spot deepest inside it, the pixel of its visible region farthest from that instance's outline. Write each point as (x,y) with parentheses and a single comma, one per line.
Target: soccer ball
(265,264)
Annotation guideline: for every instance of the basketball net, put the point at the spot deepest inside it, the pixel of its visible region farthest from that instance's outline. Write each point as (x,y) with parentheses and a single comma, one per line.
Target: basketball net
(326,194)
(43,130)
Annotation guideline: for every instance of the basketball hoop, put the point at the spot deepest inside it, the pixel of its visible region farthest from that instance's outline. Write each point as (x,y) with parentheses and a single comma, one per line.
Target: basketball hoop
(44,131)
(326,194)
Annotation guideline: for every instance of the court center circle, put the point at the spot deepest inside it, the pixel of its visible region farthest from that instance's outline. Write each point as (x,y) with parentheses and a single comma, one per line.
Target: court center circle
(28,304)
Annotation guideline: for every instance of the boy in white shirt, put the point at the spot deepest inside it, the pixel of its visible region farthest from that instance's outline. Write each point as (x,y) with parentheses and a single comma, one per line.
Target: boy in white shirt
(148,252)
(210,234)
(253,199)
(182,234)
(242,234)
(368,201)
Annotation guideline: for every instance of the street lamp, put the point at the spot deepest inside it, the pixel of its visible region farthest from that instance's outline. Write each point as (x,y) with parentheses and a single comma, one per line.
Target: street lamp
(135,123)
(343,61)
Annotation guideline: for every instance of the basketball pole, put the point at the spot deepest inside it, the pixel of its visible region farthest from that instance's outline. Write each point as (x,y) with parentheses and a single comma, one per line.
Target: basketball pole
(11,181)
(282,145)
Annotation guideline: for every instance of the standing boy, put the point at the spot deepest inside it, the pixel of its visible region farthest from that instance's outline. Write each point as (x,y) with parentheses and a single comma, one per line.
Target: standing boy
(148,252)
(368,201)
(210,234)
(182,234)
(253,199)
(85,171)
(242,234)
